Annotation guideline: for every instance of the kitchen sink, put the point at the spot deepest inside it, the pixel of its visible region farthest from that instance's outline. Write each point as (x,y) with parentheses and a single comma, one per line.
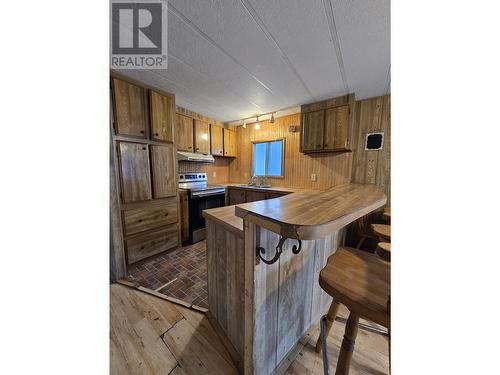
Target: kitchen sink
(256,186)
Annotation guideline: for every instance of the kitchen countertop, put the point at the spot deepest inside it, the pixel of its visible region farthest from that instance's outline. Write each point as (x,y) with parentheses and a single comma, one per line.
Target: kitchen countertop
(314,213)
(226,217)
(277,189)
(304,214)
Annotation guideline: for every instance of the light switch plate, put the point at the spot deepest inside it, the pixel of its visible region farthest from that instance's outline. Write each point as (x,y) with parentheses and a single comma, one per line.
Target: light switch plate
(214,174)
(313,176)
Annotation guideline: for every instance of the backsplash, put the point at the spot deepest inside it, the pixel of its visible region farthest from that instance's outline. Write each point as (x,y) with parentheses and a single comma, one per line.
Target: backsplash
(220,167)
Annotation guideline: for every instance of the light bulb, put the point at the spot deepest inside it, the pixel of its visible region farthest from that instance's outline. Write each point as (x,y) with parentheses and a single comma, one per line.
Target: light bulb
(244,125)
(271,121)
(257,124)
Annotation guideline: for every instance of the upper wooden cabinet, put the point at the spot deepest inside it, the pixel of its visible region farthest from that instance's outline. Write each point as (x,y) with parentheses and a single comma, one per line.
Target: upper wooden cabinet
(313,130)
(130,109)
(327,125)
(135,178)
(184,132)
(162,117)
(217,141)
(201,137)
(164,172)
(229,143)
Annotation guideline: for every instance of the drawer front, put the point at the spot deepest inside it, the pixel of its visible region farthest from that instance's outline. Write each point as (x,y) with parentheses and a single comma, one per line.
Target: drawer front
(146,218)
(143,246)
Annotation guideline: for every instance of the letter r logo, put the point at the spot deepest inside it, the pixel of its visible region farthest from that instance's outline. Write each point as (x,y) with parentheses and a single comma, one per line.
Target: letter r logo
(136,28)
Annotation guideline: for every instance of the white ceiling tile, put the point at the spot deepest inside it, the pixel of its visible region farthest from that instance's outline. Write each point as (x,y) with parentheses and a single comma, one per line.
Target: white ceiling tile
(301,30)
(363,28)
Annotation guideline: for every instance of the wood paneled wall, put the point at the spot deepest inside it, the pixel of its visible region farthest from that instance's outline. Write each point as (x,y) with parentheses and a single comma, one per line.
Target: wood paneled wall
(220,167)
(373,167)
(331,169)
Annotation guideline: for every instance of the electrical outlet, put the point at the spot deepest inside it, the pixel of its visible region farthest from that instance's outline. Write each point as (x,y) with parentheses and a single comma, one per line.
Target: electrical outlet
(313,176)
(214,174)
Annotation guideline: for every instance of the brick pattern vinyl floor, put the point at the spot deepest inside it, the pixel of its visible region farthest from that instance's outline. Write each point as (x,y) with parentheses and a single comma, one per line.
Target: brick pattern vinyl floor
(181,273)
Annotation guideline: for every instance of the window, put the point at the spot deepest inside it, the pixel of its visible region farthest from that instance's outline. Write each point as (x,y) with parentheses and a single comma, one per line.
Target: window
(268,158)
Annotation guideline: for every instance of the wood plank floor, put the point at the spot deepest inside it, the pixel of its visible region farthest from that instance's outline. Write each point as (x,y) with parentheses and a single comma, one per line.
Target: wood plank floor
(150,335)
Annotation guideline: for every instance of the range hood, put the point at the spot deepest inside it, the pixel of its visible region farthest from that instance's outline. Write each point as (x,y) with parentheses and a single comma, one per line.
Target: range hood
(191,156)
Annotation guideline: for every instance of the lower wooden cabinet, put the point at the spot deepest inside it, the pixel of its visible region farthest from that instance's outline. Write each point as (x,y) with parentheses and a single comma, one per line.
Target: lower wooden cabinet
(146,218)
(242,195)
(236,196)
(252,196)
(154,242)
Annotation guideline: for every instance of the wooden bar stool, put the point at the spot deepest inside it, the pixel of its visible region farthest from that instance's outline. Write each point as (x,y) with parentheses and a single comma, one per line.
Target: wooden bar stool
(387,214)
(360,281)
(384,250)
(383,231)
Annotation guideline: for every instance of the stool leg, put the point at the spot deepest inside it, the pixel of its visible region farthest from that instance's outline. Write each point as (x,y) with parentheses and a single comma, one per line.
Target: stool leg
(330,317)
(347,348)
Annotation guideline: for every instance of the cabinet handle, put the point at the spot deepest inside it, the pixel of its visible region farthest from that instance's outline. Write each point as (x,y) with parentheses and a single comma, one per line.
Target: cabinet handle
(197,148)
(166,214)
(144,148)
(325,145)
(318,145)
(156,134)
(190,147)
(140,220)
(142,247)
(142,132)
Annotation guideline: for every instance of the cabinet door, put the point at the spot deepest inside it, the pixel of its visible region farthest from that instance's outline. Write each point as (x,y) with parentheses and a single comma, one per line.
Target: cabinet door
(330,128)
(252,196)
(216,139)
(163,167)
(184,132)
(162,117)
(134,172)
(201,137)
(130,109)
(312,130)
(236,196)
(229,142)
(342,128)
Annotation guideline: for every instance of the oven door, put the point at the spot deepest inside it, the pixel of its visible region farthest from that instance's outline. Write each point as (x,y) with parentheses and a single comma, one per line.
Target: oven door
(199,201)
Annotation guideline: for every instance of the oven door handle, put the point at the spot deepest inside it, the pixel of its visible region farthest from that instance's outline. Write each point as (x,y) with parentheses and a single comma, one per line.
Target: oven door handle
(207,194)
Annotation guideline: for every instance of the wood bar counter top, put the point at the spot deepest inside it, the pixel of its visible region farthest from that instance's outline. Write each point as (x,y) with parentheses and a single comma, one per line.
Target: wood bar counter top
(314,213)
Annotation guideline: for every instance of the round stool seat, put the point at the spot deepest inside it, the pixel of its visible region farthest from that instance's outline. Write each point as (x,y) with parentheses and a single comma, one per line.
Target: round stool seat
(387,213)
(384,250)
(360,281)
(382,230)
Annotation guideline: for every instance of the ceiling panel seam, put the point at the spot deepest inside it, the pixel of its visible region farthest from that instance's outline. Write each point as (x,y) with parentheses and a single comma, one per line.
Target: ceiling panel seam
(188,22)
(210,78)
(255,16)
(188,89)
(335,40)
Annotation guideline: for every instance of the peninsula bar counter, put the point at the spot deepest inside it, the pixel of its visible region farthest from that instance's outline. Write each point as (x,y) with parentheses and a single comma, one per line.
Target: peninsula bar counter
(263,264)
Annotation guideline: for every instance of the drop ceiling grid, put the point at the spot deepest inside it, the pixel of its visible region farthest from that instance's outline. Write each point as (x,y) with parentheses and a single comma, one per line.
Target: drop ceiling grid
(301,29)
(240,37)
(363,28)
